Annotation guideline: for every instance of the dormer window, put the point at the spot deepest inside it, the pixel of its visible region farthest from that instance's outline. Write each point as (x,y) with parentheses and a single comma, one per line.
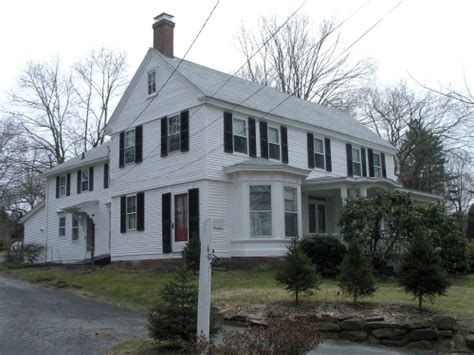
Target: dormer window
(152,82)
(239,129)
(130,146)
(274,143)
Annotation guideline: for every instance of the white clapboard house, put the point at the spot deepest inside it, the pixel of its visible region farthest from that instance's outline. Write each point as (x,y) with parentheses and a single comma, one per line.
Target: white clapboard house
(189,143)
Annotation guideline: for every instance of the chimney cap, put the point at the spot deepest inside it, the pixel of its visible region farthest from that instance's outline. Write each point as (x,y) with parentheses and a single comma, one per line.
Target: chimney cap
(163,16)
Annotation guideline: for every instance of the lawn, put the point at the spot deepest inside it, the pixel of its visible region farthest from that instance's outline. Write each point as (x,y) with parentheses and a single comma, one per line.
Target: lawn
(138,288)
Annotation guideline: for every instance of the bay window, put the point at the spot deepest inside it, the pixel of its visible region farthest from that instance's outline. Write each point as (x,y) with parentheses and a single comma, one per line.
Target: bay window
(260,211)
(291,212)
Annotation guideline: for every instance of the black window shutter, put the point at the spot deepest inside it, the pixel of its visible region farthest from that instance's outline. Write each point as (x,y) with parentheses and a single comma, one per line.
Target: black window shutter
(310,144)
(263,140)
(123,214)
(228,133)
(79,181)
(364,162)
(164,136)
(138,144)
(57,186)
(166,222)
(91,178)
(68,184)
(122,150)
(384,168)
(371,162)
(193,196)
(349,159)
(140,211)
(252,138)
(106,176)
(184,131)
(327,149)
(284,144)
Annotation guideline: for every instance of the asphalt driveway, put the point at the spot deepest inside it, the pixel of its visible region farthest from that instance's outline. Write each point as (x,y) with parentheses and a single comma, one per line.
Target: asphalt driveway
(37,320)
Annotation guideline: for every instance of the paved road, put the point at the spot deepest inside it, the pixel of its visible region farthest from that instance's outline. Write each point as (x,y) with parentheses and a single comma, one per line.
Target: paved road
(36,320)
(344,348)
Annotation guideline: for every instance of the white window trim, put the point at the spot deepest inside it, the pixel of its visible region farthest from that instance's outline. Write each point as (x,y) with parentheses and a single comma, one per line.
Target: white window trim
(271,210)
(323,153)
(62,227)
(238,135)
(279,141)
(293,212)
(359,162)
(379,167)
(63,193)
(130,213)
(149,95)
(125,147)
(168,134)
(74,228)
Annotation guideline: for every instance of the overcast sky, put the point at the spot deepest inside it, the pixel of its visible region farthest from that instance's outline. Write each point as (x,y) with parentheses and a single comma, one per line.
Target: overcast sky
(430,39)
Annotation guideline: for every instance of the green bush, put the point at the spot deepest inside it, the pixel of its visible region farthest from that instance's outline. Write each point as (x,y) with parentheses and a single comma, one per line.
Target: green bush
(471,256)
(192,254)
(325,252)
(174,318)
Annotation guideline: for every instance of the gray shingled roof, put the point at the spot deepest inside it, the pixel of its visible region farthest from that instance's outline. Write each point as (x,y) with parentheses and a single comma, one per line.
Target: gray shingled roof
(237,90)
(96,154)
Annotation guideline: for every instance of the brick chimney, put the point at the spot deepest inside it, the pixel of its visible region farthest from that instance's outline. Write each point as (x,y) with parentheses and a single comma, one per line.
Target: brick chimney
(163,29)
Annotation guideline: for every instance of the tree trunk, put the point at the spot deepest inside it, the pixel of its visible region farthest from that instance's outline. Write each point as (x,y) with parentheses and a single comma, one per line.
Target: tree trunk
(420,302)
(296,295)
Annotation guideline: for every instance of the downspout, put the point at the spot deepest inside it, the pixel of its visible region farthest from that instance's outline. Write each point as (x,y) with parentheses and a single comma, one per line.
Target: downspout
(46,206)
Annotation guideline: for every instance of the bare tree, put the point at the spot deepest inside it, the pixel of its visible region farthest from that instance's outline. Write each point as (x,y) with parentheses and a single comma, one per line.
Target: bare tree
(100,78)
(44,104)
(301,63)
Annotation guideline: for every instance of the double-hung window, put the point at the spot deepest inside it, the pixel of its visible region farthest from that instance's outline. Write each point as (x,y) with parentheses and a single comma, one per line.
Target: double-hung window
(318,153)
(181,217)
(274,143)
(356,162)
(291,212)
(130,146)
(152,82)
(62,185)
(239,130)
(85,180)
(75,227)
(260,211)
(377,165)
(62,226)
(131,212)
(174,133)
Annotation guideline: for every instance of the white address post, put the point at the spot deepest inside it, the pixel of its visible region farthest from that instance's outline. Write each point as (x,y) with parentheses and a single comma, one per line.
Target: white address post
(205,275)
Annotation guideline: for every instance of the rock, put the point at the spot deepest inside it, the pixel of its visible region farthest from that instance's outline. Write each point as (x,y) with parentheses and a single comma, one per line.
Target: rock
(340,319)
(393,342)
(388,333)
(419,323)
(354,335)
(456,344)
(375,319)
(258,323)
(352,324)
(329,327)
(378,325)
(445,322)
(423,334)
(422,344)
(470,341)
(230,315)
(445,334)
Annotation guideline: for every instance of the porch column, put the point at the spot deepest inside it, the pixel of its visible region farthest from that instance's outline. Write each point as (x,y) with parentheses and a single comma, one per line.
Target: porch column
(344,192)
(363,191)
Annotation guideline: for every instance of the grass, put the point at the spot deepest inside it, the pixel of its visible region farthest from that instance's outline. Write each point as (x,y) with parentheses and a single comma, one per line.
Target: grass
(138,288)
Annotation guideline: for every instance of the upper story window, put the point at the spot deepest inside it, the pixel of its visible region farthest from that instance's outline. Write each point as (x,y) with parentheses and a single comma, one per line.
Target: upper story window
(260,211)
(291,212)
(75,227)
(62,185)
(130,146)
(152,82)
(356,162)
(274,143)
(318,153)
(131,212)
(239,130)
(174,133)
(377,165)
(85,179)
(62,226)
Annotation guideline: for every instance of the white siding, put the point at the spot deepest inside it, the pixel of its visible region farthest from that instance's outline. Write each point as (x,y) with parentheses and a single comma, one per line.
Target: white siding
(34,228)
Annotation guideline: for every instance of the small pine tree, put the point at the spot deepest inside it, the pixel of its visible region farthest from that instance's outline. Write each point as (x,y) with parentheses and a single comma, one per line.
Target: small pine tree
(297,272)
(192,254)
(356,278)
(174,318)
(421,273)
